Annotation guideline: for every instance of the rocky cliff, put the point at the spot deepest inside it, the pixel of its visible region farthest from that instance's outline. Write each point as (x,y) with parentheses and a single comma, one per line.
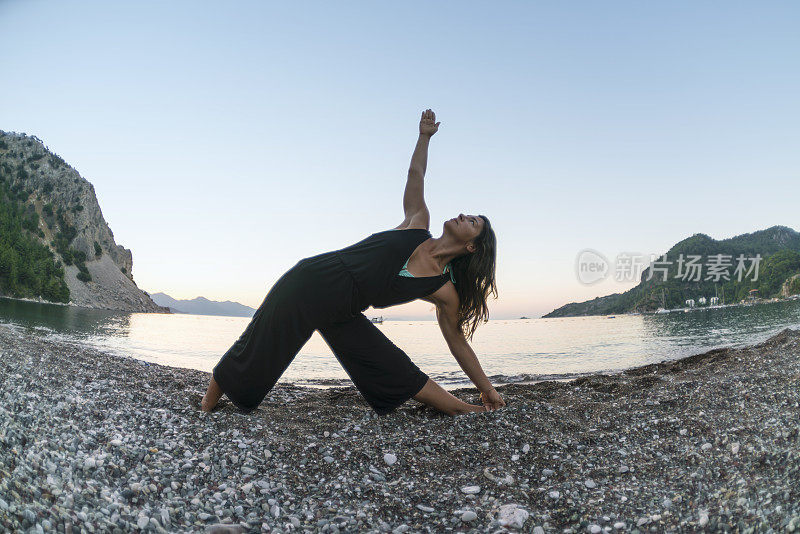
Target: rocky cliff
(97,271)
(791,286)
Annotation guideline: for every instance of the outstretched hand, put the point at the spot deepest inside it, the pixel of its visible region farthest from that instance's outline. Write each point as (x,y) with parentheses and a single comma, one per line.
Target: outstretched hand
(427,124)
(492,400)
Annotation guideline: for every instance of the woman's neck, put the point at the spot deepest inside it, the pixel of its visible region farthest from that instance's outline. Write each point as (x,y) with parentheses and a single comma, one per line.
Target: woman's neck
(442,250)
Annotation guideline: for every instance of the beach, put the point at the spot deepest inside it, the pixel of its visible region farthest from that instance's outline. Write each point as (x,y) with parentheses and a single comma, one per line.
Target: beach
(95,442)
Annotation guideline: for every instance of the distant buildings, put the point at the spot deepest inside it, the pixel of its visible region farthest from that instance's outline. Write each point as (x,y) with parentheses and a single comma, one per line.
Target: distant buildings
(690,303)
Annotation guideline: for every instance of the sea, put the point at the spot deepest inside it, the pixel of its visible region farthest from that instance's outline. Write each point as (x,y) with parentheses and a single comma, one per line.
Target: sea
(510,351)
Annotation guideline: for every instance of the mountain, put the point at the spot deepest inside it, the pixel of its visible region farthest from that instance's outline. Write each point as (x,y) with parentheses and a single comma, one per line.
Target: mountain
(203,306)
(55,244)
(778,247)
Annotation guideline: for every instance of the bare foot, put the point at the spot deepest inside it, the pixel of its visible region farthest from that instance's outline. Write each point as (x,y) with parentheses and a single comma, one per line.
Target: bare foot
(212,396)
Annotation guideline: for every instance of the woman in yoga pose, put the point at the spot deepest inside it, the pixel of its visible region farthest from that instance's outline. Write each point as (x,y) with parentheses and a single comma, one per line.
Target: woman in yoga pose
(329,292)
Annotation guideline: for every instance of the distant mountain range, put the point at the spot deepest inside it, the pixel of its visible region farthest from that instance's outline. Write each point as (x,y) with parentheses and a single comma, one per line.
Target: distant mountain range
(778,247)
(203,306)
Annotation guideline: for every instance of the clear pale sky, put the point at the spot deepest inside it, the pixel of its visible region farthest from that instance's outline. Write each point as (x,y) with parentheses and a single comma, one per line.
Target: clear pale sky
(227,140)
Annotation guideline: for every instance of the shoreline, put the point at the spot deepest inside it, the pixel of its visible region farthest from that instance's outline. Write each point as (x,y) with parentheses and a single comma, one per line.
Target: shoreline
(40,300)
(71,304)
(321,383)
(685,309)
(108,443)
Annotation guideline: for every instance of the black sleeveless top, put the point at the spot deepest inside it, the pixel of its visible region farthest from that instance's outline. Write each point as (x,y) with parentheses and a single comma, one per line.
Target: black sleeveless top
(375,263)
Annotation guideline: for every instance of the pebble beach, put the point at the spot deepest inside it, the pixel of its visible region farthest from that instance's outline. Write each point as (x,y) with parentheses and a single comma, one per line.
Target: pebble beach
(93,442)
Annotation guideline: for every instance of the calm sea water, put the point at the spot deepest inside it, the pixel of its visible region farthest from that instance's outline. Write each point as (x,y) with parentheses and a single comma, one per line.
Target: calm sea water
(509,350)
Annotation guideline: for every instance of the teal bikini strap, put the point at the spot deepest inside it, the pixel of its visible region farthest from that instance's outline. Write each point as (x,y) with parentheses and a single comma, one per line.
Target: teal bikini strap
(448,267)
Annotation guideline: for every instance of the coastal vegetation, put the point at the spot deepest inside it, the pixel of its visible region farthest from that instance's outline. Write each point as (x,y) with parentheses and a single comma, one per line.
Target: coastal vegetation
(778,248)
(63,238)
(51,220)
(27,267)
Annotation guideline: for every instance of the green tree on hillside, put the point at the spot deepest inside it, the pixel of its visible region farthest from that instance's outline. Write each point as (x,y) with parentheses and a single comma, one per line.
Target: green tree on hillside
(27,267)
(779,250)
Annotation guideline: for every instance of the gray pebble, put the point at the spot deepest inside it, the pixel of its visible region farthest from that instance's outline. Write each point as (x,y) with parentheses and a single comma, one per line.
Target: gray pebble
(468,516)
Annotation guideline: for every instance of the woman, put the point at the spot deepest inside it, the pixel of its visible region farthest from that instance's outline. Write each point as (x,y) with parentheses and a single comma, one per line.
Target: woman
(329,292)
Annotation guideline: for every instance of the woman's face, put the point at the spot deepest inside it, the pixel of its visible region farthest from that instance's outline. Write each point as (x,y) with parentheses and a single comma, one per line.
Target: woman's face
(464,227)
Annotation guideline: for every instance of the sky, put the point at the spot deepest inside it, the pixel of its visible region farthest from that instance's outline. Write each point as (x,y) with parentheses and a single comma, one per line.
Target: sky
(227,140)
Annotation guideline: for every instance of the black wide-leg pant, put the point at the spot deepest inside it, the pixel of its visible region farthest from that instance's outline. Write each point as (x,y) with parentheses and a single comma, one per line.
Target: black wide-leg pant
(316,294)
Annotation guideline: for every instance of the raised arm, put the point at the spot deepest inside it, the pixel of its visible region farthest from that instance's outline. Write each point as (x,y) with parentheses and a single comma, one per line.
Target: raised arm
(414,208)
(446,301)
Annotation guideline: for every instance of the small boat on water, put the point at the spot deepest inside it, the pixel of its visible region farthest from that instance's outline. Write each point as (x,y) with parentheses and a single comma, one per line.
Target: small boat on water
(377,320)
(663,308)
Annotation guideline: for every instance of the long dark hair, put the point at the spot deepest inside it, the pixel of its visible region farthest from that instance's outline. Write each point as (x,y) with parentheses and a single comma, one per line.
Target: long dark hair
(474,275)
